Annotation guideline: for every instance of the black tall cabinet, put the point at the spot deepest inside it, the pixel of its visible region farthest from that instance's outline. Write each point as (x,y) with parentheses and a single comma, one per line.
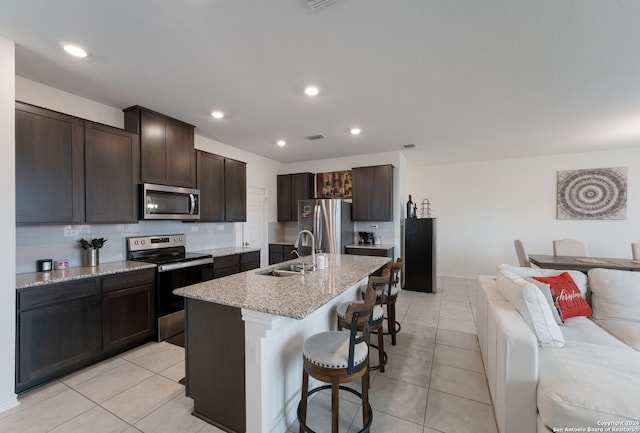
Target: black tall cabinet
(420,254)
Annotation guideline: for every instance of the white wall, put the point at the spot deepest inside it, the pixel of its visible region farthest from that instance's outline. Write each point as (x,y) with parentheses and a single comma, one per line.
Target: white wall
(8,225)
(482,207)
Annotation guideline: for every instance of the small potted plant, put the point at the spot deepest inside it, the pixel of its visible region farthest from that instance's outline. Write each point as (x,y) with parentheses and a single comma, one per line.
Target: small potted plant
(90,256)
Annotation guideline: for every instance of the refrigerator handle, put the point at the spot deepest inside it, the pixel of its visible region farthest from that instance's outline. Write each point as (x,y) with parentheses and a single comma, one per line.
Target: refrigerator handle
(317,226)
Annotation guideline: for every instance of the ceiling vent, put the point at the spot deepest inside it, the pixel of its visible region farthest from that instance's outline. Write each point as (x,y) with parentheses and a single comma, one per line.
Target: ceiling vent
(316,4)
(315,137)
(409,146)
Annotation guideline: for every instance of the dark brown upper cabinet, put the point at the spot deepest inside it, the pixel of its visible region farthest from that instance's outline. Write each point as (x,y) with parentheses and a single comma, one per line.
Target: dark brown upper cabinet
(167,154)
(71,170)
(235,190)
(291,188)
(112,173)
(223,188)
(211,186)
(49,166)
(373,193)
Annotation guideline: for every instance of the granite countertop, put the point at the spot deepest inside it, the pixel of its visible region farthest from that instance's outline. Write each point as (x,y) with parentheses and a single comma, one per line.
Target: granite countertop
(32,279)
(282,242)
(371,246)
(293,296)
(220,252)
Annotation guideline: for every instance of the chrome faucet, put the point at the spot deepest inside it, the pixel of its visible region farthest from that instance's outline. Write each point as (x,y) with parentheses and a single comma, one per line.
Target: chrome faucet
(313,247)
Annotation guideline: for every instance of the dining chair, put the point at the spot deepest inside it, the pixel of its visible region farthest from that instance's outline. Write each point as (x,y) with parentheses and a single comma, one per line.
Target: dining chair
(522,256)
(569,247)
(635,249)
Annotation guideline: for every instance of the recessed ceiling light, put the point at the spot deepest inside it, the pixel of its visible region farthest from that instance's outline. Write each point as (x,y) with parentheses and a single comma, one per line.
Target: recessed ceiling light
(74,50)
(281,143)
(355,131)
(217,114)
(312,90)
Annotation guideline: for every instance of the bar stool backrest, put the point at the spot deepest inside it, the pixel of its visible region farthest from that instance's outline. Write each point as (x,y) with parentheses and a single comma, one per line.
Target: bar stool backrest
(358,314)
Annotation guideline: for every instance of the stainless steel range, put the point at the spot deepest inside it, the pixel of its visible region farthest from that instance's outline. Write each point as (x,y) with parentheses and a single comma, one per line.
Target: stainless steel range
(176,268)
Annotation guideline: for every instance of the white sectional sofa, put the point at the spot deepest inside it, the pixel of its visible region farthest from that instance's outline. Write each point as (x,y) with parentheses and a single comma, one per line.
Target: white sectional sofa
(548,375)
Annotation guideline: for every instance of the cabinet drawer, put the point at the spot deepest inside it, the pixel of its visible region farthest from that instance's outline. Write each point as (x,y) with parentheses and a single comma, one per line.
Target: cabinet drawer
(226,261)
(253,256)
(376,252)
(128,279)
(56,293)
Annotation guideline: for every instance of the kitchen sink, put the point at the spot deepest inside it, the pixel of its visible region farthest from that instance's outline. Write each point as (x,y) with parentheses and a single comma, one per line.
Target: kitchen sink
(287,270)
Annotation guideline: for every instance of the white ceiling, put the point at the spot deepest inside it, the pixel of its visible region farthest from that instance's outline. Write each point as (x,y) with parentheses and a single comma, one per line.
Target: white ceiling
(461,79)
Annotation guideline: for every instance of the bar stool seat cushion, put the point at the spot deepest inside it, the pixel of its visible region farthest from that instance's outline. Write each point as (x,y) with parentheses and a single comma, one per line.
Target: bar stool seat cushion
(377,313)
(330,349)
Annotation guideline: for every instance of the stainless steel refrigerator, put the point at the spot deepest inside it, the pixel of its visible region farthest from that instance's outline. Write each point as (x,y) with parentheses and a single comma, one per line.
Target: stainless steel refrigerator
(330,222)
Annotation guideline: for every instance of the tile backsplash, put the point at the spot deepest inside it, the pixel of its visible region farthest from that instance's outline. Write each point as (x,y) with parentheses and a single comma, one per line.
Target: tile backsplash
(49,242)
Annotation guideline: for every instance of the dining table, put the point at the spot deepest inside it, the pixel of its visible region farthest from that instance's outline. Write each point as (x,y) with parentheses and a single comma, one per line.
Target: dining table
(583,263)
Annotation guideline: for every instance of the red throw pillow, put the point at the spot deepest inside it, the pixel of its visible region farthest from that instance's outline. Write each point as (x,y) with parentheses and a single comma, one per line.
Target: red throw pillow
(567,296)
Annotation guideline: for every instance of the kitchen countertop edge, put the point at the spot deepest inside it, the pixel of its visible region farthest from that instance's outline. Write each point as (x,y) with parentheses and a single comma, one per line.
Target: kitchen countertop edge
(34,279)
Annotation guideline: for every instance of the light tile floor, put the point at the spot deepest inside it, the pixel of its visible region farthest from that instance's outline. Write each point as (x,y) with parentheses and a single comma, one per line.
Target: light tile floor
(434,382)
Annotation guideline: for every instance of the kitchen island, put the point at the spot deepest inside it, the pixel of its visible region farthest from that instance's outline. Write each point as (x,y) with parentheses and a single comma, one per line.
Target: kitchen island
(244,336)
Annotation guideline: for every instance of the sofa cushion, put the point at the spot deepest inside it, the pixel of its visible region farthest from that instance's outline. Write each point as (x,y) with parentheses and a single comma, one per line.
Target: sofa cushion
(546,291)
(583,385)
(615,294)
(578,277)
(624,330)
(532,306)
(567,296)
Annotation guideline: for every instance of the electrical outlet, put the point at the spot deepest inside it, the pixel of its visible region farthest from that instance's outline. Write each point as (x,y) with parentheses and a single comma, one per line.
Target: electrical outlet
(220,227)
(195,228)
(70,233)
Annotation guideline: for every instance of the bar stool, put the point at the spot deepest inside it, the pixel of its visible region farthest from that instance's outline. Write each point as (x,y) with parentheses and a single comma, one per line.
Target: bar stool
(337,357)
(377,283)
(393,326)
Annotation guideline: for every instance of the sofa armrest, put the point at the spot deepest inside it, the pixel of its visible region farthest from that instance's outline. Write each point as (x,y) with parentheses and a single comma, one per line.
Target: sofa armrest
(515,371)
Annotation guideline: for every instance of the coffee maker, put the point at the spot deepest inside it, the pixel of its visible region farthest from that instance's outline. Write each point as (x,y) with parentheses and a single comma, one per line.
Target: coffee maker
(366,238)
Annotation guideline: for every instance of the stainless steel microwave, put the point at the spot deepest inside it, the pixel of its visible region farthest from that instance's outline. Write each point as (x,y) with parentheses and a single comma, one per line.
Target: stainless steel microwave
(163,202)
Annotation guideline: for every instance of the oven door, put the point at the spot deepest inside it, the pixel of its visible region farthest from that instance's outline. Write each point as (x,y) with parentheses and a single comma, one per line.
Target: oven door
(170,307)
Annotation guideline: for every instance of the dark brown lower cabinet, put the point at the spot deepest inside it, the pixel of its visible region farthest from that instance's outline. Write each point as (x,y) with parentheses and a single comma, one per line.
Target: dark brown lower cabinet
(376,252)
(249,261)
(234,263)
(58,331)
(214,356)
(280,253)
(66,326)
(127,310)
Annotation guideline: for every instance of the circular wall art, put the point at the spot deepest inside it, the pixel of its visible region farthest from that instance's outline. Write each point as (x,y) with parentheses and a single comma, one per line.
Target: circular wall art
(598,193)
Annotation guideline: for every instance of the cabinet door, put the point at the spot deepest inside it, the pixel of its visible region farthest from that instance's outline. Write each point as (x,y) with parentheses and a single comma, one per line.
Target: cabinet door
(112,161)
(153,147)
(226,265)
(362,193)
(211,185)
(127,317)
(49,166)
(58,331)
(181,156)
(285,207)
(249,261)
(235,190)
(167,155)
(373,193)
(302,185)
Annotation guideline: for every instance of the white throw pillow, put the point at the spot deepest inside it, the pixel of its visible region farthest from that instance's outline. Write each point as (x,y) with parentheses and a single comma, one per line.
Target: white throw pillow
(546,291)
(532,306)
(578,277)
(615,294)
